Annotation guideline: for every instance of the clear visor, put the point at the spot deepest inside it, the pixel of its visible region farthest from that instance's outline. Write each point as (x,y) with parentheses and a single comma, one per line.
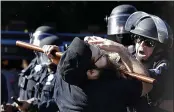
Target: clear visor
(161,29)
(37,37)
(116,24)
(134,19)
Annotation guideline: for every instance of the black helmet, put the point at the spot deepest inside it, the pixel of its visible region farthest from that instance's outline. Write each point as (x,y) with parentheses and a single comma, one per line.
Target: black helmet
(51,40)
(117,19)
(41,33)
(170,35)
(148,26)
(44,35)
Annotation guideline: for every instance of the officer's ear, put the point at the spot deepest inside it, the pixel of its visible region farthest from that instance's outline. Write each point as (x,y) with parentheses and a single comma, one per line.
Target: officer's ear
(93,74)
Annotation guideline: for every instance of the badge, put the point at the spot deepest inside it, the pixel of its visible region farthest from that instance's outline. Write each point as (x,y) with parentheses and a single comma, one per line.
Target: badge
(37,68)
(50,77)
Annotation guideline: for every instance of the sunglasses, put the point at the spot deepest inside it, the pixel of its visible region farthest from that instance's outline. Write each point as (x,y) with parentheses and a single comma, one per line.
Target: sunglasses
(147,42)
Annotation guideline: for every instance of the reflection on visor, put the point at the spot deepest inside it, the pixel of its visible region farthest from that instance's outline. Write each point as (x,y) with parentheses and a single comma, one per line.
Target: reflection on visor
(161,28)
(121,17)
(37,37)
(134,18)
(116,24)
(37,40)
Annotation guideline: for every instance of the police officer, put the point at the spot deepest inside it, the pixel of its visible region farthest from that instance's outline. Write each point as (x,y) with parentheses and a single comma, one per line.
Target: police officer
(113,28)
(45,86)
(36,80)
(153,41)
(116,24)
(32,74)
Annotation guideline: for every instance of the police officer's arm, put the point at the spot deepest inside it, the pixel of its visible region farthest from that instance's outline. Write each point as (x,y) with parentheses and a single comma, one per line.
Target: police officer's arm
(160,72)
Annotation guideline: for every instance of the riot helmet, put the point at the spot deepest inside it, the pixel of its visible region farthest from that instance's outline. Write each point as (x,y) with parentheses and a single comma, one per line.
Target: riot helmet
(41,33)
(152,31)
(148,26)
(170,35)
(116,24)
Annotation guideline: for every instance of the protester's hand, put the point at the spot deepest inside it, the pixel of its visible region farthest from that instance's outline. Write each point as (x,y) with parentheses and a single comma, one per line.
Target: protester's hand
(48,50)
(91,38)
(105,44)
(8,108)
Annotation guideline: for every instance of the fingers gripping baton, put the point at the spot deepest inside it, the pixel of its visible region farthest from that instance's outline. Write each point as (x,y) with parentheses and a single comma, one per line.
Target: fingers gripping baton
(34,47)
(59,54)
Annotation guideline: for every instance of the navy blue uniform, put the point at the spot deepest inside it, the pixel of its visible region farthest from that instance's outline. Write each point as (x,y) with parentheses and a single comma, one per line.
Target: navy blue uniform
(158,69)
(44,88)
(28,79)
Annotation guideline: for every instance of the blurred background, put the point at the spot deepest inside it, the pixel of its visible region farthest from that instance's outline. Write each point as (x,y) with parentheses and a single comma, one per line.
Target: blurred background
(70,18)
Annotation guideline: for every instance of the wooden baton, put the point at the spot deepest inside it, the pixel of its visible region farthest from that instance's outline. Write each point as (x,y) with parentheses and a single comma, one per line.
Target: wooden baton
(34,47)
(140,77)
(59,54)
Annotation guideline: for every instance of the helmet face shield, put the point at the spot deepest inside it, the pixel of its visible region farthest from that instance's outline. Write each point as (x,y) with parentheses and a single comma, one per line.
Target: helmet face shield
(161,29)
(118,18)
(134,19)
(36,37)
(116,24)
(147,25)
(125,39)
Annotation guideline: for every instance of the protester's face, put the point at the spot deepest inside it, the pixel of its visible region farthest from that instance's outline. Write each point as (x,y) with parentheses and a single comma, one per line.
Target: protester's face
(144,48)
(93,74)
(102,62)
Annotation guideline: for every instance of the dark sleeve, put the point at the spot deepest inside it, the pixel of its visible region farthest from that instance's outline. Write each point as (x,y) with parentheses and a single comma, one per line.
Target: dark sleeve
(70,69)
(50,105)
(159,69)
(133,87)
(160,73)
(4,95)
(75,62)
